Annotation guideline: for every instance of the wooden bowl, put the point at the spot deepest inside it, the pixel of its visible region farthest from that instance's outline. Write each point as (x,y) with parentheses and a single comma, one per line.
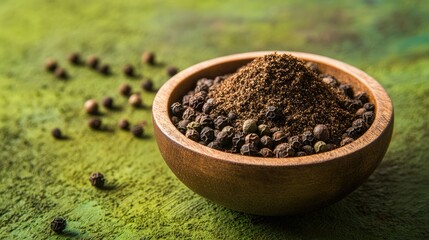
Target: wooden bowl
(272,186)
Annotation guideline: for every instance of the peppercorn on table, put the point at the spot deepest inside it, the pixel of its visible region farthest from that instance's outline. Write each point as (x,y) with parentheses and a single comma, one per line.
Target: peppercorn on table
(58,55)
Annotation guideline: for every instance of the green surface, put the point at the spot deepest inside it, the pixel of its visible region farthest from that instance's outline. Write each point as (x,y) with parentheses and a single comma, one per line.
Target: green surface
(41,178)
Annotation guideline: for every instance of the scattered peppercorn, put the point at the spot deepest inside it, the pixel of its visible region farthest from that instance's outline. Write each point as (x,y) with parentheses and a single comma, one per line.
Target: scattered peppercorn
(147,85)
(92,62)
(125,90)
(74,58)
(61,73)
(56,133)
(108,102)
(128,70)
(97,179)
(104,69)
(137,131)
(135,100)
(91,106)
(149,58)
(171,71)
(95,123)
(51,65)
(58,224)
(124,124)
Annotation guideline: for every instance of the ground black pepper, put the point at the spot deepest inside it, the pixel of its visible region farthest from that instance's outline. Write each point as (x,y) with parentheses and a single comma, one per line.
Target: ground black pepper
(276,105)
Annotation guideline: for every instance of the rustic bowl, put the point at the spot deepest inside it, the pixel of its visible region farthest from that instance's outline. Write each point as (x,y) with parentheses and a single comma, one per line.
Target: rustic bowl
(272,186)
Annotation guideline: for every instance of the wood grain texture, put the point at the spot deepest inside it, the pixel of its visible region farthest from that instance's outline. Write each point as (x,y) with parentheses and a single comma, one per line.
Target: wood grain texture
(272,186)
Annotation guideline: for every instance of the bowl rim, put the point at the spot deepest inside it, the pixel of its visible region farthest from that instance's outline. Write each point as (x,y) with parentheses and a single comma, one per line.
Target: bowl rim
(383,113)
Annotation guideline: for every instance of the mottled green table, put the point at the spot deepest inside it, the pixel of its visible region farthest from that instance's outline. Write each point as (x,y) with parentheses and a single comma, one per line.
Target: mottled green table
(41,178)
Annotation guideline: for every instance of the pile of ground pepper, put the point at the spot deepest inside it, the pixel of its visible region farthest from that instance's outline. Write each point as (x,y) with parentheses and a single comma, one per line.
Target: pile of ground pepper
(275,106)
(284,82)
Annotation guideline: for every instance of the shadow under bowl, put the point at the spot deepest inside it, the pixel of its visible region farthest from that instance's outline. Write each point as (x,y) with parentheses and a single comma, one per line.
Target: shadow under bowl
(272,186)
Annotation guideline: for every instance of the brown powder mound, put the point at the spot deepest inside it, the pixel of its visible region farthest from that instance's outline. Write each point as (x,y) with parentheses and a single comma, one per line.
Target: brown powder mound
(282,81)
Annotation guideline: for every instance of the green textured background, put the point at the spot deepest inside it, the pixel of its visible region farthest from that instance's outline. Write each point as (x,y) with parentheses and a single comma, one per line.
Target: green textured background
(41,178)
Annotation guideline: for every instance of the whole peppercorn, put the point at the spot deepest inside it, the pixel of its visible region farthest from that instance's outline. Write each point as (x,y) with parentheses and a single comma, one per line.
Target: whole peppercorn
(193,135)
(181,126)
(266,142)
(214,145)
(308,149)
(307,138)
(149,58)
(207,107)
(362,96)
(177,109)
(330,146)
(301,154)
(147,85)
(360,112)
(60,73)
(135,100)
(74,58)
(58,224)
(51,65)
(274,129)
(321,132)
(108,102)
(369,106)
(224,138)
(91,106)
(271,112)
(238,140)
(252,138)
(320,146)
(263,130)
(97,180)
(207,135)
(346,141)
(94,123)
(175,120)
(185,99)
(171,71)
(221,122)
(295,142)
(137,131)
(128,70)
(279,137)
(368,117)
(56,133)
(206,121)
(92,62)
(125,90)
(124,124)
(249,149)
(266,152)
(353,105)
(249,126)
(232,116)
(347,90)
(360,125)
(284,150)
(353,132)
(312,66)
(197,101)
(330,81)
(194,125)
(189,114)
(229,130)
(104,69)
